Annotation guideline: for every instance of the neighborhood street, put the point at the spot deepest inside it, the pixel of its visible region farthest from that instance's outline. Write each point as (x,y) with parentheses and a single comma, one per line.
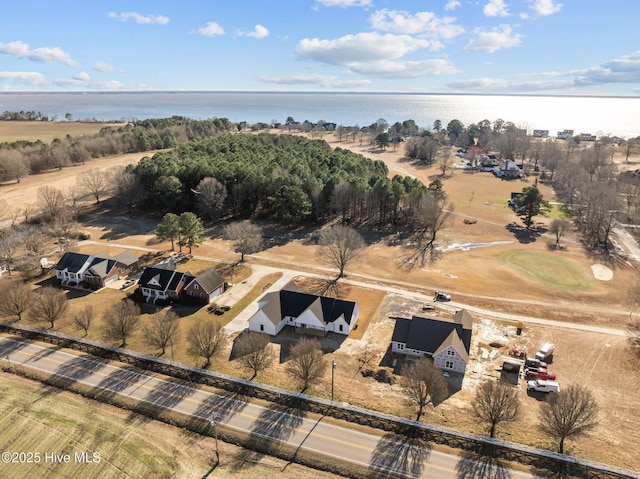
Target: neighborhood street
(395,455)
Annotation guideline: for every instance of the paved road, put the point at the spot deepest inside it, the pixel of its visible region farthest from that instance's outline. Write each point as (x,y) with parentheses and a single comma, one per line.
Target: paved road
(403,288)
(394,454)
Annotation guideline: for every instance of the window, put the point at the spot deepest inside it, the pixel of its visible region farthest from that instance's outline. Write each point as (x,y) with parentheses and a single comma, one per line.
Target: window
(262,327)
(202,295)
(451,352)
(341,327)
(191,293)
(195,286)
(448,364)
(400,345)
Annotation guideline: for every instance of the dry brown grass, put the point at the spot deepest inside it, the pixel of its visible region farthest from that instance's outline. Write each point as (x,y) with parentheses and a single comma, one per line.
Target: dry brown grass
(41,418)
(46,131)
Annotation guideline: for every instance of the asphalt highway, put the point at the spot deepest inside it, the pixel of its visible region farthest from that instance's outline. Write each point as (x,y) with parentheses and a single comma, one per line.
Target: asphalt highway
(391,453)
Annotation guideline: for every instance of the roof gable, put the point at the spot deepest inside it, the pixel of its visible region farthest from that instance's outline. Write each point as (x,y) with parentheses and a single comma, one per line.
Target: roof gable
(158,278)
(453,341)
(209,281)
(429,334)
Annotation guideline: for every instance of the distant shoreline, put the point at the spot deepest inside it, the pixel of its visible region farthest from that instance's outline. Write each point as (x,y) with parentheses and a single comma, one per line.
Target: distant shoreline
(276,92)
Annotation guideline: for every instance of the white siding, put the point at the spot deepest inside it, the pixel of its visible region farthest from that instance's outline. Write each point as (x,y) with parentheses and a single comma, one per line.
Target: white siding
(261,323)
(310,320)
(456,362)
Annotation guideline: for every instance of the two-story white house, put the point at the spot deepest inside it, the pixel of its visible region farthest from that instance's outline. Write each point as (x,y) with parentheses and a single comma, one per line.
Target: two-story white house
(447,341)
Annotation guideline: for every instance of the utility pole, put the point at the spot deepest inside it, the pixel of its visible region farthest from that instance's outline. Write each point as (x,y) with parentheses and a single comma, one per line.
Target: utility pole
(215,435)
(333,371)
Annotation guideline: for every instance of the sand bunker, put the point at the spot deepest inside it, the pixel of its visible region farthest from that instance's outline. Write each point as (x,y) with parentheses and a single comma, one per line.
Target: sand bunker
(601,272)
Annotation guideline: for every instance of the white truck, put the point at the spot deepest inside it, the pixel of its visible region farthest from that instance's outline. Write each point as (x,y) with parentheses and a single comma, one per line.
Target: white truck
(543,386)
(546,352)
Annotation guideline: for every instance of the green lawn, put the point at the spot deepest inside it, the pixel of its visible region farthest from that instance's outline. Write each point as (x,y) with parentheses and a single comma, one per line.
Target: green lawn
(548,269)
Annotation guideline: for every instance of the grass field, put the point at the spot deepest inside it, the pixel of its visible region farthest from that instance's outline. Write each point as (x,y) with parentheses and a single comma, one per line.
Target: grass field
(37,418)
(46,131)
(548,269)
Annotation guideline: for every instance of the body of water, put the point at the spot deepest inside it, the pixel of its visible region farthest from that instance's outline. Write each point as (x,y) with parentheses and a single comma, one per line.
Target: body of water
(595,115)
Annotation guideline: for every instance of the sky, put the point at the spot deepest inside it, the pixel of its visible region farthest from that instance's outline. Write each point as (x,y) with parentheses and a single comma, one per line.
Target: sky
(574,47)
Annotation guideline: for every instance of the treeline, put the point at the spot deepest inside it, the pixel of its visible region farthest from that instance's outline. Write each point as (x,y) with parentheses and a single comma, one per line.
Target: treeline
(281,176)
(18,159)
(23,116)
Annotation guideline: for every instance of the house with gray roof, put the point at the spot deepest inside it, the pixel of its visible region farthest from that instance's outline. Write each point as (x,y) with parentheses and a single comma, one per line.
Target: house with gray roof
(97,270)
(165,283)
(447,341)
(204,287)
(307,313)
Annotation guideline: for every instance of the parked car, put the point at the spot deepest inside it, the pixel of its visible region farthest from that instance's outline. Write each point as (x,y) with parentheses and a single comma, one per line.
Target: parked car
(534,363)
(543,386)
(539,373)
(440,296)
(546,352)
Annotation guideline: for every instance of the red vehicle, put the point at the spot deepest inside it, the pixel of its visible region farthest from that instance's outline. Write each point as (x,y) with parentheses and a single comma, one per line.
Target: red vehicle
(517,352)
(539,373)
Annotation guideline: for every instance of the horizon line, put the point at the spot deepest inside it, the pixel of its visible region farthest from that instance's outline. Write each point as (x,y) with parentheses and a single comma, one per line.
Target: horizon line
(318,92)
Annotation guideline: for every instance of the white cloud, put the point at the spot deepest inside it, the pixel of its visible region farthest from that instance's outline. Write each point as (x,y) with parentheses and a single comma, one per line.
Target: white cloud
(87,84)
(138,18)
(103,67)
(545,7)
(362,47)
(497,85)
(426,23)
(452,5)
(211,30)
(82,76)
(496,8)
(494,40)
(344,3)
(404,69)
(326,81)
(30,78)
(619,70)
(19,49)
(259,32)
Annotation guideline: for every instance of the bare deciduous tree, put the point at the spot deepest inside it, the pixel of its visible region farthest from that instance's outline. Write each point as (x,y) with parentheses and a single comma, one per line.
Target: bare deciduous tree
(422,381)
(342,244)
(121,321)
(246,237)
(8,248)
(94,181)
(571,412)
(210,197)
(50,305)
(161,331)
(254,351)
(125,187)
(84,317)
(206,339)
(50,202)
(557,228)
(431,217)
(16,298)
(496,402)
(306,364)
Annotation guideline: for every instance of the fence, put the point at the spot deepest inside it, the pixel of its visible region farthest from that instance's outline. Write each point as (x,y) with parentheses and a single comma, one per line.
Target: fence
(472,443)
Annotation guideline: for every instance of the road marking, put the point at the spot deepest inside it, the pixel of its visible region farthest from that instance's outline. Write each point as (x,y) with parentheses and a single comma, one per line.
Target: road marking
(147,379)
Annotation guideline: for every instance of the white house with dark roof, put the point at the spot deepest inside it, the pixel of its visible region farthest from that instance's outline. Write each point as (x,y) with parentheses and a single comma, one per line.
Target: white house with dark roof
(164,283)
(307,313)
(447,341)
(99,270)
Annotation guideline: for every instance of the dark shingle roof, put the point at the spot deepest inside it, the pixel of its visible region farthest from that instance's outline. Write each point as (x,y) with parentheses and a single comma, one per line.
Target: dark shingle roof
(126,257)
(72,262)
(294,303)
(162,276)
(209,281)
(428,334)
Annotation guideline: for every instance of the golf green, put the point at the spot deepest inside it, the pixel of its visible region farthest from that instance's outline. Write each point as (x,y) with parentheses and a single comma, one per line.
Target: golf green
(548,269)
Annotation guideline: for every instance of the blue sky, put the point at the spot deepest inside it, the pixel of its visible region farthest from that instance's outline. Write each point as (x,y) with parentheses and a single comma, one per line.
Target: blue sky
(580,47)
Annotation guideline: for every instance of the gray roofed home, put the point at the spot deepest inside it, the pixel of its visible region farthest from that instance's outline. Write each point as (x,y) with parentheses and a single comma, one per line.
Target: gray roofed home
(307,313)
(448,341)
(97,270)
